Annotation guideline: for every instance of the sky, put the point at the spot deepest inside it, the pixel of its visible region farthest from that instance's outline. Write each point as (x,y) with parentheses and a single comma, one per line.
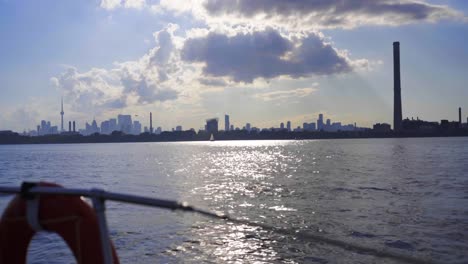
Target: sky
(262,62)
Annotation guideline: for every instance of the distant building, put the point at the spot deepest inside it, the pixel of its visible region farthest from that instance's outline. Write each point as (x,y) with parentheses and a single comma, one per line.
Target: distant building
(282,125)
(320,122)
(90,129)
(151,123)
(7,132)
(226,123)
(418,125)
(212,125)
(308,126)
(248,127)
(136,129)
(382,127)
(45,128)
(105,127)
(125,123)
(113,125)
(178,128)
(231,128)
(288,126)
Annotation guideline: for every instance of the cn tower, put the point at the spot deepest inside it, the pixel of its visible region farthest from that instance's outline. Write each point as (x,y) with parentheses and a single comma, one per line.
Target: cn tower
(61,113)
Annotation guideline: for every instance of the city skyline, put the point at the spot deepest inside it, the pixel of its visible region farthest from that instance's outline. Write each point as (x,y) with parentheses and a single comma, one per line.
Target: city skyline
(93,58)
(124,123)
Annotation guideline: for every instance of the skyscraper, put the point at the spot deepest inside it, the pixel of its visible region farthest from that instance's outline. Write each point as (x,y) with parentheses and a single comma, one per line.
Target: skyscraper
(397,112)
(151,123)
(320,122)
(61,114)
(288,126)
(226,122)
(125,123)
(212,125)
(136,129)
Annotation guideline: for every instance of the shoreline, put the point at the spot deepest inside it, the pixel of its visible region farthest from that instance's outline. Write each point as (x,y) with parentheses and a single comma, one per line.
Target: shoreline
(187,136)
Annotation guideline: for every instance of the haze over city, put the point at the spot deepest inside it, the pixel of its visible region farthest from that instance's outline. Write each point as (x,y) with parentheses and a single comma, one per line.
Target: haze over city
(261,62)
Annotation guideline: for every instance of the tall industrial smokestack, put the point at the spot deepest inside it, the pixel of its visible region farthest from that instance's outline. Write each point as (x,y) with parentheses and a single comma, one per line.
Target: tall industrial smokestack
(397,112)
(69,126)
(74,127)
(459,116)
(61,115)
(151,123)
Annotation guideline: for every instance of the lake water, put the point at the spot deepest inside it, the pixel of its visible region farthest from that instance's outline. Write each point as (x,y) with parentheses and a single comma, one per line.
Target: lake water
(408,196)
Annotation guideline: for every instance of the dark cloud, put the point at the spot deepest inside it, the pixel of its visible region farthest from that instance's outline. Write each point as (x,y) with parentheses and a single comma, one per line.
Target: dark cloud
(265,54)
(347,13)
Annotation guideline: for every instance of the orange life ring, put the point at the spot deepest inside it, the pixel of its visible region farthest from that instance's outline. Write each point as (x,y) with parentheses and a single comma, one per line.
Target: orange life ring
(69,216)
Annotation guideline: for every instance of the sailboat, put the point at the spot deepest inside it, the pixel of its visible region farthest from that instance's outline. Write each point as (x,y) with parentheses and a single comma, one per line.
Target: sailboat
(212,138)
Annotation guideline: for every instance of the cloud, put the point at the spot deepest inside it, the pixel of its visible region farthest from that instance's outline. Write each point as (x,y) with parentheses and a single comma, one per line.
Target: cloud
(264,54)
(285,94)
(113,4)
(301,14)
(331,13)
(110,4)
(127,84)
(213,82)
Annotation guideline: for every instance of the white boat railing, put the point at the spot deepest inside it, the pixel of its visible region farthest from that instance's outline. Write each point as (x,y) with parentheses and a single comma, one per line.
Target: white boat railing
(99,197)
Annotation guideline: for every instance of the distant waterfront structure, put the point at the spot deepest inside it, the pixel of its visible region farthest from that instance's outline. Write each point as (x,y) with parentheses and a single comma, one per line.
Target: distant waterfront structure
(226,123)
(136,129)
(113,125)
(69,126)
(151,123)
(74,128)
(282,125)
(212,125)
(125,123)
(382,127)
(61,115)
(178,128)
(248,127)
(320,122)
(459,116)
(397,111)
(90,129)
(105,127)
(45,128)
(288,126)
(308,126)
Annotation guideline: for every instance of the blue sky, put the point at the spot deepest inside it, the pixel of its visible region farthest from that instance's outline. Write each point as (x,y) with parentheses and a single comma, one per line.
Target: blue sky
(262,62)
